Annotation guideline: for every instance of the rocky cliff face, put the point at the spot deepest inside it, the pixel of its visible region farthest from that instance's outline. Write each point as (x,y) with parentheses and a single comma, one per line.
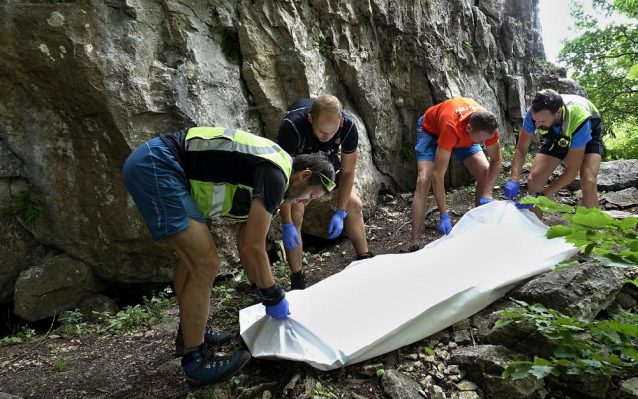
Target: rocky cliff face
(83,83)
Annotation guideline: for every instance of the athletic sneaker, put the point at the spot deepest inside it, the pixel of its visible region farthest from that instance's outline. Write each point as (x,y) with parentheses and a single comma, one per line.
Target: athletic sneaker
(213,338)
(203,367)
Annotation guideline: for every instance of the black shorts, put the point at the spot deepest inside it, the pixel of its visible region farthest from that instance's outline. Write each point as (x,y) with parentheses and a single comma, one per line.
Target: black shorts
(594,146)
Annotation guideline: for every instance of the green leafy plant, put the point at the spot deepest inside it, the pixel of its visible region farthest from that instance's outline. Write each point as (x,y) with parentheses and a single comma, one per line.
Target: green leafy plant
(325,45)
(25,334)
(323,391)
(128,320)
(601,346)
(26,206)
(611,241)
(61,365)
(73,322)
(602,56)
(609,347)
(406,152)
(623,144)
(467,46)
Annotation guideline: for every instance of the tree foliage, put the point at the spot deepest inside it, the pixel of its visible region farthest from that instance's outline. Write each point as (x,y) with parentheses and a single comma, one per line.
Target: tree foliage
(601,58)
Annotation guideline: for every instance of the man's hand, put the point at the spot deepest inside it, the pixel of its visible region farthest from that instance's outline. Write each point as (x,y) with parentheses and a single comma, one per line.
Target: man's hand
(274,299)
(445,226)
(336,223)
(290,236)
(511,189)
(279,311)
(484,201)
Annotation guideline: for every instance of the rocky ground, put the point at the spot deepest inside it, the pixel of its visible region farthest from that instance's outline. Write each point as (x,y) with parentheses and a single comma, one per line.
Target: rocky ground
(55,364)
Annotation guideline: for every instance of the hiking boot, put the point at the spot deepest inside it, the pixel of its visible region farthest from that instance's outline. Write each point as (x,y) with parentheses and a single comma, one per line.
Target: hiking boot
(366,255)
(203,367)
(213,338)
(298,281)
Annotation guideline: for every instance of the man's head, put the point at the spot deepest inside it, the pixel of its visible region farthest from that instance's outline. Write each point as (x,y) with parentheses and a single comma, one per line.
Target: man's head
(325,117)
(312,176)
(547,109)
(481,126)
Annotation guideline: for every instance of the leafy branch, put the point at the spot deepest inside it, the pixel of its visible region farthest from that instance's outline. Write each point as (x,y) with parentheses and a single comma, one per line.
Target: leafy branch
(609,347)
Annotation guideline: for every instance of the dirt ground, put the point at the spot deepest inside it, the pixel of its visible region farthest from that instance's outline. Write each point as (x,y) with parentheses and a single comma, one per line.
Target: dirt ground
(142,365)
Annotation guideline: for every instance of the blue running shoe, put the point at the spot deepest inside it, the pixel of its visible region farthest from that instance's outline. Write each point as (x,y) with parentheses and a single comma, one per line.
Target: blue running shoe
(203,367)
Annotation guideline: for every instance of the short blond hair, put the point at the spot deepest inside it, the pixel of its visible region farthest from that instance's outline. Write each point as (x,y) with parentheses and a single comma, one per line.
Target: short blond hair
(327,104)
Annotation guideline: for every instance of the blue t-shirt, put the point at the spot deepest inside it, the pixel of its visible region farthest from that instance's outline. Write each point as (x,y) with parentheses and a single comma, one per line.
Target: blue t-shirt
(579,138)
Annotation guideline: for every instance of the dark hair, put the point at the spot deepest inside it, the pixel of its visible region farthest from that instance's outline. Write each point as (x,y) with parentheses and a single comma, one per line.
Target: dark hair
(483,121)
(317,162)
(547,99)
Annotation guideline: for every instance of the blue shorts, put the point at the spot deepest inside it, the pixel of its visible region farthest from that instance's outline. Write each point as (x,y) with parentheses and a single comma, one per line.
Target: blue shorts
(426,149)
(159,187)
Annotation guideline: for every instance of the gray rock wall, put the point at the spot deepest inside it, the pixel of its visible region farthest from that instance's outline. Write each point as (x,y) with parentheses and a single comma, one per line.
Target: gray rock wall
(83,83)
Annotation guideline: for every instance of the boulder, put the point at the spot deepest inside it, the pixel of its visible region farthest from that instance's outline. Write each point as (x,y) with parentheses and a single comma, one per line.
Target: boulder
(398,386)
(580,291)
(618,175)
(623,198)
(486,363)
(630,388)
(56,285)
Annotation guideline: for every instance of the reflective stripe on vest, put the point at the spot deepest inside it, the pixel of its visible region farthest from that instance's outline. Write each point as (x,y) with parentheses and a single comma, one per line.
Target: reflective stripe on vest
(215,199)
(576,111)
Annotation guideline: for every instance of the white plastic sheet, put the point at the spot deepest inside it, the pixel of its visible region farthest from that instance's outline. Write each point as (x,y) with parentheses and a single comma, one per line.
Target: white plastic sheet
(378,305)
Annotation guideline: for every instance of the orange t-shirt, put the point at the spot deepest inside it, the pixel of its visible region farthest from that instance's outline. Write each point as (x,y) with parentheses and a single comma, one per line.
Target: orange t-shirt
(448,121)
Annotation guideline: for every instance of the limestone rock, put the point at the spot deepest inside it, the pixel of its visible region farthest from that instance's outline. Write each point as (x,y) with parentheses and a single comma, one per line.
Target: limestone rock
(56,285)
(593,386)
(580,291)
(398,386)
(617,175)
(486,363)
(630,387)
(18,251)
(623,198)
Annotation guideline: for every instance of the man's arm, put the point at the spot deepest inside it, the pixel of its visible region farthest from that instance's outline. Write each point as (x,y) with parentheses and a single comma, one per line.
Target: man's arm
(441,162)
(573,162)
(346,180)
(520,154)
(253,248)
(496,162)
(285,213)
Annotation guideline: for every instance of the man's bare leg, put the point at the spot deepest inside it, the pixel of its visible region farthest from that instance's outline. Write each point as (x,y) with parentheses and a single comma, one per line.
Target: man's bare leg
(198,255)
(419,201)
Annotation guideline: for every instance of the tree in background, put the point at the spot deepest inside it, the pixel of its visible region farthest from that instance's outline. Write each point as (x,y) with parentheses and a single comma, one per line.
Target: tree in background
(601,60)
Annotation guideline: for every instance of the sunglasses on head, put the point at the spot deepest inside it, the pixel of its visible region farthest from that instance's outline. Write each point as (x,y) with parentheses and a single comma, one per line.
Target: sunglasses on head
(327,182)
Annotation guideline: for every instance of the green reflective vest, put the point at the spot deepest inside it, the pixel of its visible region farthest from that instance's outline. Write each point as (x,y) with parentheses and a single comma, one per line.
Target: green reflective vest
(576,111)
(218,198)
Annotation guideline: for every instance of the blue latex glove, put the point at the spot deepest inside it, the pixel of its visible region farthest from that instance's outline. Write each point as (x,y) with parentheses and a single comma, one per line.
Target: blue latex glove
(279,311)
(511,189)
(484,201)
(525,206)
(336,224)
(290,236)
(446,225)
